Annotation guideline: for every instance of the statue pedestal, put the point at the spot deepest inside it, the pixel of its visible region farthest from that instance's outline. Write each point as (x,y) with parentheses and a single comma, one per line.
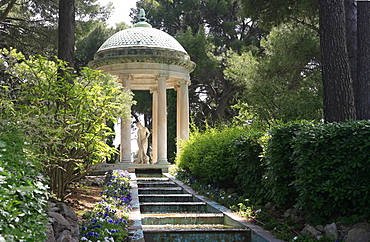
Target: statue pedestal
(132,167)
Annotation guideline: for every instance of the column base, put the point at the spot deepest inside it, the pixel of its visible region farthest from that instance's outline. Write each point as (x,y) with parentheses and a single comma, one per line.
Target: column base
(125,161)
(162,161)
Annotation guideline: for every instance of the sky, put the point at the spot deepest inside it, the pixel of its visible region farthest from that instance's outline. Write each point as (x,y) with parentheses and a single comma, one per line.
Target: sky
(121,10)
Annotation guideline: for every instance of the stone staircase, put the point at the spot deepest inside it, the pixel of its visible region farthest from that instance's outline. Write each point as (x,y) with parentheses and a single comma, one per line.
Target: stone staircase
(170,213)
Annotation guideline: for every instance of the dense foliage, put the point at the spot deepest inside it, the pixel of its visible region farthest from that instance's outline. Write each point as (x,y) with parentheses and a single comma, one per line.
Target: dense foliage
(65,121)
(332,167)
(31,26)
(320,169)
(284,83)
(109,219)
(280,166)
(23,190)
(228,158)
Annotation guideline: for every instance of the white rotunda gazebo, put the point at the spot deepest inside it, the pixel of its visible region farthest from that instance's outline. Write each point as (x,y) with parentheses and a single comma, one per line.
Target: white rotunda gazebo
(144,58)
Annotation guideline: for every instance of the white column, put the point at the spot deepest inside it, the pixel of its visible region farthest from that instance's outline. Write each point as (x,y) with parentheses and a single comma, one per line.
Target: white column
(126,126)
(183,109)
(154,91)
(162,120)
(178,116)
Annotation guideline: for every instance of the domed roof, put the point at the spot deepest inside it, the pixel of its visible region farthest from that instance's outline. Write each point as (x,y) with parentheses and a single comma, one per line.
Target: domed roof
(142,35)
(142,44)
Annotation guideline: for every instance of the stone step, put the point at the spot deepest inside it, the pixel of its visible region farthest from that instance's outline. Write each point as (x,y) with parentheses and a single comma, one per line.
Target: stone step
(173,207)
(152,179)
(160,190)
(194,227)
(182,219)
(212,233)
(165,198)
(156,184)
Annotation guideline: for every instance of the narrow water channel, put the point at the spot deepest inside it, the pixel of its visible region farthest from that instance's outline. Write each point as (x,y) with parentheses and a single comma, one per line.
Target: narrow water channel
(166,210)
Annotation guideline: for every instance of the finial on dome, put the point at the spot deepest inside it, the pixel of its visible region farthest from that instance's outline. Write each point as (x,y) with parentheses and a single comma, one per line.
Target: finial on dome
(142,20)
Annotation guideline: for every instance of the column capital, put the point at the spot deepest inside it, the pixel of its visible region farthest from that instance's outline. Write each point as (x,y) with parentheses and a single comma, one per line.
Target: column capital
(183,81)
(162,77)
(123,78)
(153,89)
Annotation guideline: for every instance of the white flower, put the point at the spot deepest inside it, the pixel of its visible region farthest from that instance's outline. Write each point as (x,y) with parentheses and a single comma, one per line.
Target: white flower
(295,238)
(83,238)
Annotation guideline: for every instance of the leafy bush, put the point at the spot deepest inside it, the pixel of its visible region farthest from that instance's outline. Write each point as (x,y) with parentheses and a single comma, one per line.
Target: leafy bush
(65,120)
(248,165)
(332,168)
(23,193)
(280,172)
(225,158)
(109,219)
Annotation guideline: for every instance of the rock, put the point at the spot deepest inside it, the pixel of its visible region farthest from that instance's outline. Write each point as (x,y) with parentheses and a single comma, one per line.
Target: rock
(268,205)
(67,212)
(66,236)
(292,214)
(50,234)
(60,223)
(93,181)
(63,224)
(308,229)
(320,228)
(331,231)
(359,233)
(288,213)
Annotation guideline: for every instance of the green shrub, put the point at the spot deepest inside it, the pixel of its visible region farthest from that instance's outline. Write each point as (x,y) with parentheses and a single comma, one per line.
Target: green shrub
(66,122)
(332,168)
(247,163)
(23,193)
(280,173)
(225,158)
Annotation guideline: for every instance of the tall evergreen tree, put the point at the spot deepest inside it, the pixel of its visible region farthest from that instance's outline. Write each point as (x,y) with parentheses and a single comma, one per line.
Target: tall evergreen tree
(66,31)
(336,73)
(362,82)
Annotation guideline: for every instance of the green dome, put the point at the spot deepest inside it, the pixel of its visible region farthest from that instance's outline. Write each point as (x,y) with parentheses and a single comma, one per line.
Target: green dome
(142,37)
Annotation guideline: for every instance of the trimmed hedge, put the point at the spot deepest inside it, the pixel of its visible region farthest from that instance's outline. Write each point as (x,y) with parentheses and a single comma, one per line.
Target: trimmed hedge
(280,173)
(332,168)
(227,158)
(320,168)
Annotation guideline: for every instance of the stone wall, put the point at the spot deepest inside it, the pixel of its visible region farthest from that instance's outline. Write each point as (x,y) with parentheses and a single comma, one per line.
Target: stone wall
(63,225)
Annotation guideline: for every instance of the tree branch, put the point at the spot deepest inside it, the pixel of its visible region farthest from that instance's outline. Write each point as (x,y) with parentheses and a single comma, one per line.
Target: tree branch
(301,21)
(7,10)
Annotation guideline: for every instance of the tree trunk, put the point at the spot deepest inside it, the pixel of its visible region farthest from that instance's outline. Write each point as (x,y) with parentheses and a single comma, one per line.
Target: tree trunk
(351,34)
(362,86)
(66,31)
(337,82)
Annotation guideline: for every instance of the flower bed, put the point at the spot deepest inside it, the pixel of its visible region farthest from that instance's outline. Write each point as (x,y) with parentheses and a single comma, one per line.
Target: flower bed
(109,219)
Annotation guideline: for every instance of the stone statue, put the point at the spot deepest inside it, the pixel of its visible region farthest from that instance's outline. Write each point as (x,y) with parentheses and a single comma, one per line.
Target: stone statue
(142,142)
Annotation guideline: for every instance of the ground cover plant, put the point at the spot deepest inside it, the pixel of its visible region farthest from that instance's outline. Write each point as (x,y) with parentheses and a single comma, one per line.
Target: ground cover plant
(108,221)
(23,190)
